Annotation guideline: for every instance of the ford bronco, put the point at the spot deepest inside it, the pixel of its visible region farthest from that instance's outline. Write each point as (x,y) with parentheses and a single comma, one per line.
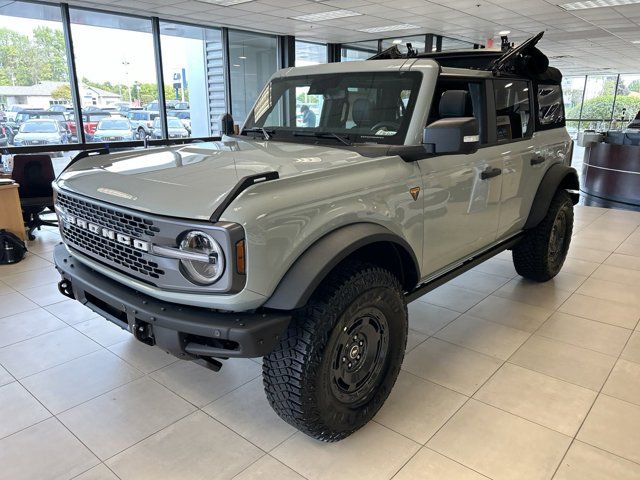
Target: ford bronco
(302,239)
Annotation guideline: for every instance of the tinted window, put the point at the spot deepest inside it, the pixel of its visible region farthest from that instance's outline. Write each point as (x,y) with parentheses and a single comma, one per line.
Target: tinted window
(513,109)
(114,125)
(550,106)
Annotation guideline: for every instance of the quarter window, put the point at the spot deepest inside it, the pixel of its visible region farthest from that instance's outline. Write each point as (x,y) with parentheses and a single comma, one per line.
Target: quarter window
(513,109)
(550,106)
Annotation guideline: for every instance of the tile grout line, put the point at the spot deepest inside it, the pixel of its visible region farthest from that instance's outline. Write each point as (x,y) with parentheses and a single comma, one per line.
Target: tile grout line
(589,412)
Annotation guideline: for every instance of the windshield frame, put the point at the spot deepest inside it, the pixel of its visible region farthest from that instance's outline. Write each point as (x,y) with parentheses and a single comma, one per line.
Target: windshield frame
(292,133)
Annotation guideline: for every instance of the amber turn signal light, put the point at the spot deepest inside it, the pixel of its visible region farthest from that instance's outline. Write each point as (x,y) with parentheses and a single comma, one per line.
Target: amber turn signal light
(240,258)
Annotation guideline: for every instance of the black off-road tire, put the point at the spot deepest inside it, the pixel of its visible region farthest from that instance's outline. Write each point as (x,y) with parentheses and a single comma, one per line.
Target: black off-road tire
(541,253)
(302,375)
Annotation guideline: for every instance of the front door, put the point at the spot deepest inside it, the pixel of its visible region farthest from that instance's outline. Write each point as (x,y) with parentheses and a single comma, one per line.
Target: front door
(461,206)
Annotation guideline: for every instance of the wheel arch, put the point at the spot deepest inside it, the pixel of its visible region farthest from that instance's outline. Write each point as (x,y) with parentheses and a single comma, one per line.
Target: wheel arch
(558,176)
(365,241)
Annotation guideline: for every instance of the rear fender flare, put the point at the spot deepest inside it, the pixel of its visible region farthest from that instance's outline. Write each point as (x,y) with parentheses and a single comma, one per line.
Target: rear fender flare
(558,176)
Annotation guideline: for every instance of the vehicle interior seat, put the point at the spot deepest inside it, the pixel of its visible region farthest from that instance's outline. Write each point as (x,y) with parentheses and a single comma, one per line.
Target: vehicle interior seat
(361,113)
(34,174)
(455,103)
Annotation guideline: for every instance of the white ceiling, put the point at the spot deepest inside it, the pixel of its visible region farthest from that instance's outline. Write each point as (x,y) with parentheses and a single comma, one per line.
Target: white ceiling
(577,41)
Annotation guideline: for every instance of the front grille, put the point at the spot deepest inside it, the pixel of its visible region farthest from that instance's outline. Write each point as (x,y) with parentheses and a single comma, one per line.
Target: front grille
(124,223)
(123,257)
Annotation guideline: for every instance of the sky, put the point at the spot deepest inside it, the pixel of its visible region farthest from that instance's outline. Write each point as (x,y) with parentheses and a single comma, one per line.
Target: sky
(100,52)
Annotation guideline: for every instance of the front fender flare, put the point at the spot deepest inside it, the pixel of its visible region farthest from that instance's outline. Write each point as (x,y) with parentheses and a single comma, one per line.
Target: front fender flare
(308,271)
(558,176)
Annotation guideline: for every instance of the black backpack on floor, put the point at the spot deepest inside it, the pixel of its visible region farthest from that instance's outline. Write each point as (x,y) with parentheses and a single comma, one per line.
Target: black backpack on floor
(12,249)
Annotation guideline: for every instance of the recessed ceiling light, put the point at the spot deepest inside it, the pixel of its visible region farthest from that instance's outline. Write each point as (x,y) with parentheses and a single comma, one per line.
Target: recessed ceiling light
(504,32)
(397,41)
(636,41)
(224,3)
(596,4)
(390,28)
(242,57)
(329,15)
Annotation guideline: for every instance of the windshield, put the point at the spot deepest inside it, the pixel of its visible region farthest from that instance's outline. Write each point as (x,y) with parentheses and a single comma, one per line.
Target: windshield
(38,127)
(362,106)
(114,125)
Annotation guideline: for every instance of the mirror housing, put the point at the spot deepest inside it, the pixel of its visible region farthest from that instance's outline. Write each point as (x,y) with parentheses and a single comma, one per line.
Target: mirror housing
(452,135)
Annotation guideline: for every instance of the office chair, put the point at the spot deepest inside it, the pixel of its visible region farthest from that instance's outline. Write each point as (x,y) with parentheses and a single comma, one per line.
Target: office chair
(34,173)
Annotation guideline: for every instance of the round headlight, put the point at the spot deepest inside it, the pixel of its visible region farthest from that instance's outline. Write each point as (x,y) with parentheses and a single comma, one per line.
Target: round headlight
(202,272)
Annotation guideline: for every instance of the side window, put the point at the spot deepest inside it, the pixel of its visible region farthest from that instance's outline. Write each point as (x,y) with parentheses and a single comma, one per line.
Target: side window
(513,109)
(550,106)
(467,99)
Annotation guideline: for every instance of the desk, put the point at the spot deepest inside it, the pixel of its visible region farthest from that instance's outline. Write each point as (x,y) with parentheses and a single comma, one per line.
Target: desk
(11,211)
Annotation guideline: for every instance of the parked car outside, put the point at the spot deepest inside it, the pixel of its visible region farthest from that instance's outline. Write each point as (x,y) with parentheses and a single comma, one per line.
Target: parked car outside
(6,135)
(175,128)
(89,121)
(142,122)
(184,116)
(13,110)
(41,131)
(113,130)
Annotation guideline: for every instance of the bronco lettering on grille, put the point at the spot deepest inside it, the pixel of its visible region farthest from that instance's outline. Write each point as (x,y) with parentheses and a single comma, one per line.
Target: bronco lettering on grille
(105,232)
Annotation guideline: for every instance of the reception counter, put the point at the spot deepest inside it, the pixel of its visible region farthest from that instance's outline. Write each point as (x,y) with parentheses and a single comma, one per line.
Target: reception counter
(611,167)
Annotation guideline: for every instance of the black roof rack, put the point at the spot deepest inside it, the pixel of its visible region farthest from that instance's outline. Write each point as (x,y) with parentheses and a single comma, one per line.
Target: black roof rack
(524,60)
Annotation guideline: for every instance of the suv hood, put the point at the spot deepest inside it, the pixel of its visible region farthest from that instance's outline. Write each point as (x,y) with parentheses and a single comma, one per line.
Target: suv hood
(190,181)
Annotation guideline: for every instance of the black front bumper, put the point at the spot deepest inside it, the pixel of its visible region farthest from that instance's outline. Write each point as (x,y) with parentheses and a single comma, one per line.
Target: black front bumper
(182,330)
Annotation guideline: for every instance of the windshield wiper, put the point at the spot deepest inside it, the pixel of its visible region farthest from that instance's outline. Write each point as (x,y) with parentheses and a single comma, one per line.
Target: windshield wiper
(265,133)
(340,138)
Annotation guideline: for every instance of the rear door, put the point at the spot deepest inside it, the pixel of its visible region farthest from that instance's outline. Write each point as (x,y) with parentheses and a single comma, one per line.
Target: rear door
(514,124)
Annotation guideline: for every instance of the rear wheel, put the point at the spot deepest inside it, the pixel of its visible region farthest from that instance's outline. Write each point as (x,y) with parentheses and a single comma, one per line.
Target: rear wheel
(341,355)
(541,253)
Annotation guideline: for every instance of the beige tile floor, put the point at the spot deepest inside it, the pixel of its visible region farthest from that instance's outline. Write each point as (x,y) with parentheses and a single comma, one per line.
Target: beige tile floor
(503,379)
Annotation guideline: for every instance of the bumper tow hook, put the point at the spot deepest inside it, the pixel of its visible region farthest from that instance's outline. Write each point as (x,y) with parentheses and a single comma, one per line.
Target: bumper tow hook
(64,286)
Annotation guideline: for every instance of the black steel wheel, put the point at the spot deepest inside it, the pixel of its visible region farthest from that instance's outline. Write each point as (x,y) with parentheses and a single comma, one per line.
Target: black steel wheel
(358,356)
(339,358)
(541,253)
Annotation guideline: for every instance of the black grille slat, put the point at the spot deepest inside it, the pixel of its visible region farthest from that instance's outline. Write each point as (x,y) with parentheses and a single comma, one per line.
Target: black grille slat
(105,217)
(104,249)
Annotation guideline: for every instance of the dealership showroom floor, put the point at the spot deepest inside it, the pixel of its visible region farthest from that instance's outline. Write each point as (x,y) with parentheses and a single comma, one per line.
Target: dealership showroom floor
(503,379)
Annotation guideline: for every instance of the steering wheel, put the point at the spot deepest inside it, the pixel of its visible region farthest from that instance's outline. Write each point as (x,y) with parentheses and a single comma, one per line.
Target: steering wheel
(390,126)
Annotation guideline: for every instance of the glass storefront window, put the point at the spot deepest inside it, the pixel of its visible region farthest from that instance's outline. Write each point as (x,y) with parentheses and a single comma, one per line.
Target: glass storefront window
(116,73)
(253,59)
(193,73)
(358,51)
(597,107)
(310,53)
(627,100)
(417,42)
(572,91)
(455,44)
(35,93)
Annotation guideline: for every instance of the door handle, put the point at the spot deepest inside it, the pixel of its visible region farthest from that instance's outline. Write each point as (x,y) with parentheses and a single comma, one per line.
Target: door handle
(490,173)
(538,160)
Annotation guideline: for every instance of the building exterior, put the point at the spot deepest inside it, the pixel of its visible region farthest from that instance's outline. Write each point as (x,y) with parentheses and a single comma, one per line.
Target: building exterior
(40,95)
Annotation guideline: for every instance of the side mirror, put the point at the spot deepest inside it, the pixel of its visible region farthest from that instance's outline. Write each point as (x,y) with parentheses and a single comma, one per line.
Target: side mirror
(452,135)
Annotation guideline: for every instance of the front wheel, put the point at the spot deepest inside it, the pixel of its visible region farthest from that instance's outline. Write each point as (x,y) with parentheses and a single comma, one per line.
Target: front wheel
(541,253)
(340,356)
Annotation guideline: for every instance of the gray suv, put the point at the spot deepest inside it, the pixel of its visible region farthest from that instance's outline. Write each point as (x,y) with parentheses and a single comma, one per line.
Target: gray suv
(304,244)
